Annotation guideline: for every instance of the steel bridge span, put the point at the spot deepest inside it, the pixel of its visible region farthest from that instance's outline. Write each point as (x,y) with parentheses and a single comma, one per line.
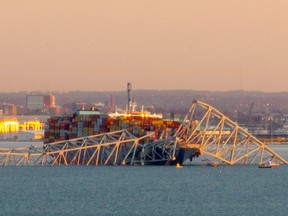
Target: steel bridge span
(205,130)
(115,148)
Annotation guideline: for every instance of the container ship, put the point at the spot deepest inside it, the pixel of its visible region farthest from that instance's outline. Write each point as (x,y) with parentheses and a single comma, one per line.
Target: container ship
(84,123)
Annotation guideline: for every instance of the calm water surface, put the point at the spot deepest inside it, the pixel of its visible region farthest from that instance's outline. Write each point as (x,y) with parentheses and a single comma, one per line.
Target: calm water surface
(191,190)
(111,190)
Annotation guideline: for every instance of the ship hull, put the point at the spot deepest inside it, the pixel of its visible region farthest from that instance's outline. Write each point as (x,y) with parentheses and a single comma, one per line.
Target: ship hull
(181,155)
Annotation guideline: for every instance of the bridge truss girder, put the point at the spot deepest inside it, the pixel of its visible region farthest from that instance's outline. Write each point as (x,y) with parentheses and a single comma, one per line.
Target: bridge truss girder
(114,148)
(220,137)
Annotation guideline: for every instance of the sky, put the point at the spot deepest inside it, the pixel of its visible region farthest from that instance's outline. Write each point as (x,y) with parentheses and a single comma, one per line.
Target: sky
(100,45)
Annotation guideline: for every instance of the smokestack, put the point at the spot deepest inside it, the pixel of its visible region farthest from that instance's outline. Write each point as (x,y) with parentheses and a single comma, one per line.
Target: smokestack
(129,94)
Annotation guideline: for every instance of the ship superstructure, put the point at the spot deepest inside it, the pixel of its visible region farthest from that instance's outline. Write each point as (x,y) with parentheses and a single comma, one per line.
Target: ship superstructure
(131,108)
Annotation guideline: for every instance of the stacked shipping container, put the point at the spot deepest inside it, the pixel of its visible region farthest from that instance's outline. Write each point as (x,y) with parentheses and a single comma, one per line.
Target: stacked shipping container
(78,125)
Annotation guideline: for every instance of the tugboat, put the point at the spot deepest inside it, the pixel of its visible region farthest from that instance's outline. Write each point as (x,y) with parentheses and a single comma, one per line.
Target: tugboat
(268,164)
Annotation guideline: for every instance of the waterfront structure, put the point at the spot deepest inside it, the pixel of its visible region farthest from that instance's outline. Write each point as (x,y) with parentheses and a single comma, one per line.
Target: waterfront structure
(9,125)
(13,125)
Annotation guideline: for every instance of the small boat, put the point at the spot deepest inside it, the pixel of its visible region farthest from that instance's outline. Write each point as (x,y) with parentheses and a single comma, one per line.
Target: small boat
(268,164)
(264,166)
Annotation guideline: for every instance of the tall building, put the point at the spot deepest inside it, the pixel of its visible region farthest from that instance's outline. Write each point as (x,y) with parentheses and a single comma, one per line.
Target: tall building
(49,101)
(40,101)
(35,101)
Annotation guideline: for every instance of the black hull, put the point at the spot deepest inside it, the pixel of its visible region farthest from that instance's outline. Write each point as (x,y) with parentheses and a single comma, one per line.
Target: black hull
(183,155)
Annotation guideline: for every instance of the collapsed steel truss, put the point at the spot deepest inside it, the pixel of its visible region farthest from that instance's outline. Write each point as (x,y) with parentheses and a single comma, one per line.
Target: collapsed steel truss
(204,128)
(218,136)
(115,148)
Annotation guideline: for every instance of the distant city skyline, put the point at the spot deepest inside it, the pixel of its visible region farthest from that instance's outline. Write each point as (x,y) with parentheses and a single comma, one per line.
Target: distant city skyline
(95,45)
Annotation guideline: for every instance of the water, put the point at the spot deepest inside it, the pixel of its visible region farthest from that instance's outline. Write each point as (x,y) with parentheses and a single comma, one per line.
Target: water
(19,144)
(190,190)
(135,190)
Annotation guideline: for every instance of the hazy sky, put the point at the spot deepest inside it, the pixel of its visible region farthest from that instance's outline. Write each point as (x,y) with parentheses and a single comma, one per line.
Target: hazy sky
(169,44)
